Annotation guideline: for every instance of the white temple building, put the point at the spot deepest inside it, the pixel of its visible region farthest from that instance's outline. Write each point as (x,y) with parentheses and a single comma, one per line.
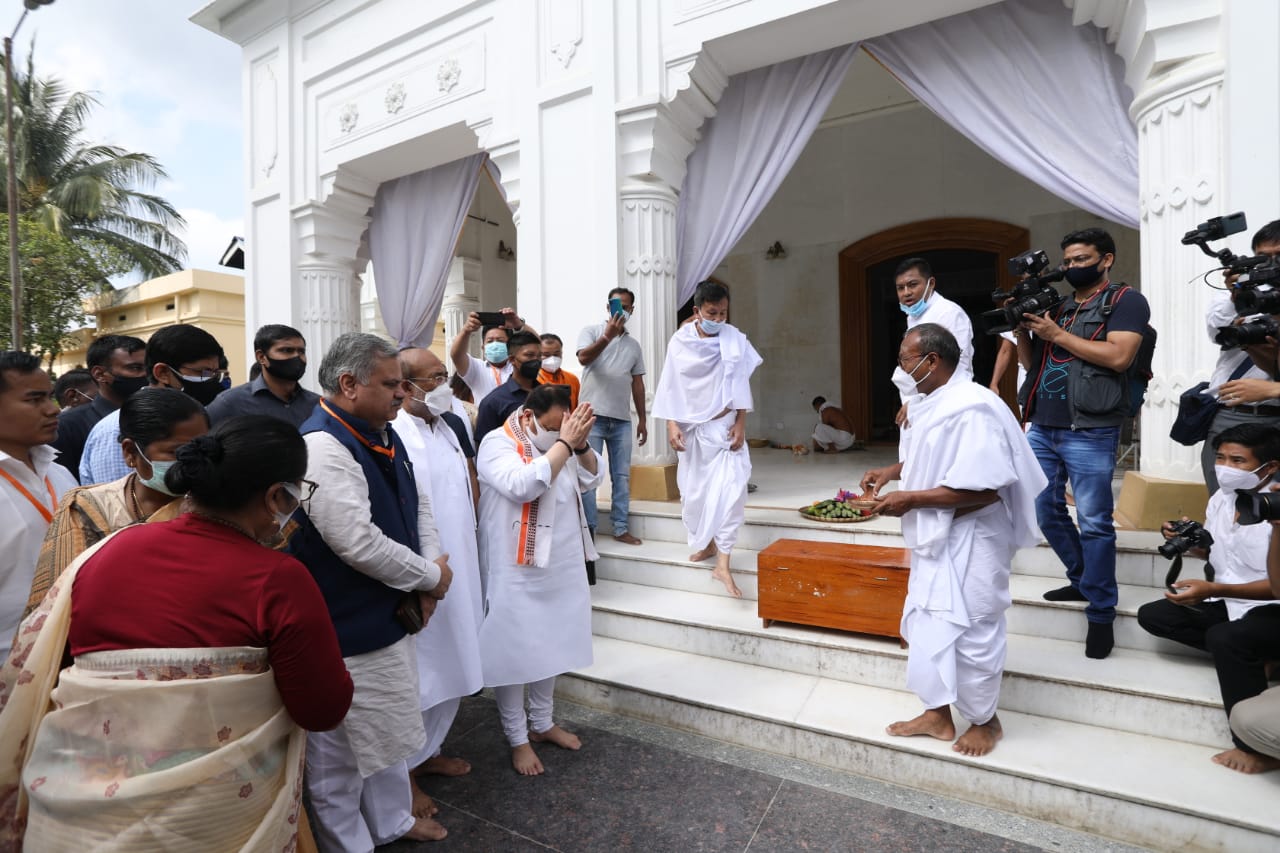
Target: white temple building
(476,154)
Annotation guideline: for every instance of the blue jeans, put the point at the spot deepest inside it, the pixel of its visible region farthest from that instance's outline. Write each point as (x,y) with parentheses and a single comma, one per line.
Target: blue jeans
(1088,458)
(615,433)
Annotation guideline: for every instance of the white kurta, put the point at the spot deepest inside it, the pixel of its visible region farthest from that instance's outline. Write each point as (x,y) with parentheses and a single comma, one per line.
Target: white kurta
(538,613)
(962,436)
(448,648)
(704,382)
(22,530)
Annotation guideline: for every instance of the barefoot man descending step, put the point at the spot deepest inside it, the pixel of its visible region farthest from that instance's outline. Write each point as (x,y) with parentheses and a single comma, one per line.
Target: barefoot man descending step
(704,395)
(969,483)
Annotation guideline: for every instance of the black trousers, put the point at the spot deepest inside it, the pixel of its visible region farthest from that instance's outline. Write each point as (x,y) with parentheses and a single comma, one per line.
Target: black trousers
(1241,648)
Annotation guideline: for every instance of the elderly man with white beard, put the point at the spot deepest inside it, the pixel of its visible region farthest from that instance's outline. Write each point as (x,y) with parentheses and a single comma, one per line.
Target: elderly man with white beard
(449,646)
(969,483)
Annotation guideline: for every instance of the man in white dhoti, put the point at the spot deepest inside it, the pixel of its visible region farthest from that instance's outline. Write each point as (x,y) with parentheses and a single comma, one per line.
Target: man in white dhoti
(534,544)
(834,431)
(969,483)
(704,395)
(449,646)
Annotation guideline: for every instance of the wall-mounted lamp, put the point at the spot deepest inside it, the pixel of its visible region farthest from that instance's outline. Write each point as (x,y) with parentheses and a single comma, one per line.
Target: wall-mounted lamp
(775,252)
(505,253)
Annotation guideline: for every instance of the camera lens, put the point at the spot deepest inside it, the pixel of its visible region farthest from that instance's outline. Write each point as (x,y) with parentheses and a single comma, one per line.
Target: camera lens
(1257,507)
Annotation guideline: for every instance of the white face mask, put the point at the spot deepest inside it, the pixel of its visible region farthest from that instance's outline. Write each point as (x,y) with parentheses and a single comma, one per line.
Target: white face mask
(439,400)
(543,439)
(282,518)
(905,382)
(1236,479)
(552,364)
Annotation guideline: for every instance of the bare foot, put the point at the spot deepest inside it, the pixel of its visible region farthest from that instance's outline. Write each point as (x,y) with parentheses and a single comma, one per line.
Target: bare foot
(525,760)
(705,554)
(980,740)
(627,539)
(423,806)
(558,736)
(935,722)
(426,829)
(443,766)
(721,573)
(1246,762)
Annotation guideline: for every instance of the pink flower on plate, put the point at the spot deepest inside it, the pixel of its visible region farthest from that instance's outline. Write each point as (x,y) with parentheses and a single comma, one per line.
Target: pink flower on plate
(111,789)
(246,790)
(224,734)
(37,782)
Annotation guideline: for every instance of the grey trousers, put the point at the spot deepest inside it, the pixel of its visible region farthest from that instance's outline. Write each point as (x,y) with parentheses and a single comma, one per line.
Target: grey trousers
(1256,721)
(1224,420)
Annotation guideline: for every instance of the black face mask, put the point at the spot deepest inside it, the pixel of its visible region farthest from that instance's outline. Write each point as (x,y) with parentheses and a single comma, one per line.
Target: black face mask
(203,391)
(288,369)
(126,386)
(1079,277)
(529,369)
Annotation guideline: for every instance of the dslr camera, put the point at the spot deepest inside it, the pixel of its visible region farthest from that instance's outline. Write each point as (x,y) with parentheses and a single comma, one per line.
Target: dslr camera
(1031,296)
(1257,284)
(1257,507)
(1186,535)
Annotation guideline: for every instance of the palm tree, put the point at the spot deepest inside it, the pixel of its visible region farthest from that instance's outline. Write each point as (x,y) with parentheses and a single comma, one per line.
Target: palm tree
(89,193)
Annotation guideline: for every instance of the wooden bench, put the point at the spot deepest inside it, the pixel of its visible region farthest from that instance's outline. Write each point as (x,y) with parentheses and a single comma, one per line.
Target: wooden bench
(859,588)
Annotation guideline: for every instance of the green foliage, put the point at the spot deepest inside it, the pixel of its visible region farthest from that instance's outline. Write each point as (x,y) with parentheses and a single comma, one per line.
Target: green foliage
(93,194)
(58,274)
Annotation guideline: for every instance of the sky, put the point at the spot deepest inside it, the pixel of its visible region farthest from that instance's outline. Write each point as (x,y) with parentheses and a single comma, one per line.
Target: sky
(164,87)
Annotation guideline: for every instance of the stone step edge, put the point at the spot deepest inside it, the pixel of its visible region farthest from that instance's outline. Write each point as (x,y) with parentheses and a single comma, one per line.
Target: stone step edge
(901,654)
(907,745)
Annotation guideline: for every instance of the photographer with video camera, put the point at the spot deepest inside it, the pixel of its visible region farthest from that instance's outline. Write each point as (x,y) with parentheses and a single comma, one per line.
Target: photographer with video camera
(1078,397)
(1243,377)
(1229,611)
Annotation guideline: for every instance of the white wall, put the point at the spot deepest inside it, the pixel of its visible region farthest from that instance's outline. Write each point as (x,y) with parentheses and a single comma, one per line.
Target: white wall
(878,161)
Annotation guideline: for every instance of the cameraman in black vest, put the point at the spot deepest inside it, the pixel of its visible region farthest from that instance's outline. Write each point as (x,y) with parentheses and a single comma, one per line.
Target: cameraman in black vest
(1078,397)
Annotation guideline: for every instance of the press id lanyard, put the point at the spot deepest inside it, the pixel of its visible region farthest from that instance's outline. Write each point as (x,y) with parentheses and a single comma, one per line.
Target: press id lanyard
(45,511)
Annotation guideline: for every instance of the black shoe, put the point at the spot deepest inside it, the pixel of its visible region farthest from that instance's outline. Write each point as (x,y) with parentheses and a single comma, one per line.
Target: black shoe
(1065,593)
(591,572)
(1100,640)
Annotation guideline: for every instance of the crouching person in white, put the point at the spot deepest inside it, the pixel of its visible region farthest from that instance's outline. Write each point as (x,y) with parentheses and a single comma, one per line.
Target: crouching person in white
(534,545)
(969,483)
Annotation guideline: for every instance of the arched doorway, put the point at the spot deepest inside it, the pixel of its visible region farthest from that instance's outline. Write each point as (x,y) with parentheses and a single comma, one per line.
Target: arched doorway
(972,250)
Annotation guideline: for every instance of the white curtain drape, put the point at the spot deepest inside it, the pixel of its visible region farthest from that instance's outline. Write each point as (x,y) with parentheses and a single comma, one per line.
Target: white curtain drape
(1042,96)
(763,121)
(412,234)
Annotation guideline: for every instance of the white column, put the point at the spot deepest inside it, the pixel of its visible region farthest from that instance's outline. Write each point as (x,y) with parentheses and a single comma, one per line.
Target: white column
(329,296)
(648,257)
(461,297)
(1180,154)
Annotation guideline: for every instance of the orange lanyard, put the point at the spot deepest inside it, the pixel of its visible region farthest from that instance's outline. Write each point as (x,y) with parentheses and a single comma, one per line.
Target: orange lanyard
(497,375)
(389,452)
(44,510)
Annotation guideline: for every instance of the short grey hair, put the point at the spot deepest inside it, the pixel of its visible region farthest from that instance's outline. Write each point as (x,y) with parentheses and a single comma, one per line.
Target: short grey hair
(356,353)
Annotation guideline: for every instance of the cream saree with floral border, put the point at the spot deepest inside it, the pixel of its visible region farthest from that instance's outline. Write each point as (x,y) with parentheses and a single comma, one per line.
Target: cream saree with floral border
(142,750)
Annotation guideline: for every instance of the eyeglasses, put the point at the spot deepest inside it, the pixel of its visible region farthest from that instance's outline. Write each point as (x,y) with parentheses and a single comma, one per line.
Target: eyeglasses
(202,375)
(431,381)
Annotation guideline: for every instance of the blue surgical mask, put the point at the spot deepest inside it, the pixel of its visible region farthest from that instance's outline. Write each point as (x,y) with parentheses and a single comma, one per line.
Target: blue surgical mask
(495,352)
(711,327)
(156,481)
(920,307)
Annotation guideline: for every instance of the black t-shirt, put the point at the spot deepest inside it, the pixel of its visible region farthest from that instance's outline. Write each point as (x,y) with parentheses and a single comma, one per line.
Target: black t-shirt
(1129,313)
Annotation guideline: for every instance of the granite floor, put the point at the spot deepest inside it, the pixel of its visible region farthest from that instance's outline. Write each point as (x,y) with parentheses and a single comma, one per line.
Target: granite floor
(636,786)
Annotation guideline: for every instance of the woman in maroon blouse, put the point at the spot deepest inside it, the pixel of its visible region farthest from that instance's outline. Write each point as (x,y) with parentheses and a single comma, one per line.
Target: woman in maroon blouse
(200,658)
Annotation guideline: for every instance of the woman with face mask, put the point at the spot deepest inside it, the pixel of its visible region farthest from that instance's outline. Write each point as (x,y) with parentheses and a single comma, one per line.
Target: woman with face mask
(199,658)
(152,426)
(534,545)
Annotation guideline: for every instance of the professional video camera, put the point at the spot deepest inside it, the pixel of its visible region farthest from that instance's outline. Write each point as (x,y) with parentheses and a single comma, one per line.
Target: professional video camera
(1257,283)
(1186,535)
(1257,507)
(1251,332)
(1032,296)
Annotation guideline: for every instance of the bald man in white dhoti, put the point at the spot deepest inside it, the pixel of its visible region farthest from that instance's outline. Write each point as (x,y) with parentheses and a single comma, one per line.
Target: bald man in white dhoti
(448,648)
(969,483)
(704,395)
(534,544)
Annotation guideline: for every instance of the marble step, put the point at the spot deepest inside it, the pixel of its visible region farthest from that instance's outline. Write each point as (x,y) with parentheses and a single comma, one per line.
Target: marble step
(1137,562)
(666,564)
(1046,677)
(1141,789)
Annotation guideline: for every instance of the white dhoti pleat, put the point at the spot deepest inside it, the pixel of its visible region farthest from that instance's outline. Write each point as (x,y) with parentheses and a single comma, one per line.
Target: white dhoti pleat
(713,483)
(437,720)
(824,435)
(354,815)
(957,656)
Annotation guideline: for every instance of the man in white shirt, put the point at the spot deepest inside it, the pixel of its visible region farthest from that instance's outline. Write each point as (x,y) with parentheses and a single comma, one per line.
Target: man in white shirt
(448,647)
(368,537)
(31,483)
(1224,616)
(482,377)
(919,299)
(704,396)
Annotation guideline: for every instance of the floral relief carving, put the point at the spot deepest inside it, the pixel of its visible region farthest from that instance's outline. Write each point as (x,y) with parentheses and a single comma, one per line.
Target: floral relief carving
(348,117)
(448,74)
(394,99)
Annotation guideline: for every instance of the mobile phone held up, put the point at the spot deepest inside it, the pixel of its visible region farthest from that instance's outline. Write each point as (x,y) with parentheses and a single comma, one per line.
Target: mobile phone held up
(615,307)
(491,318)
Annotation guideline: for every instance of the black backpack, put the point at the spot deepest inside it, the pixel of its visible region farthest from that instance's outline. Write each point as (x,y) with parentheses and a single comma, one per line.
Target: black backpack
(1140,368)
